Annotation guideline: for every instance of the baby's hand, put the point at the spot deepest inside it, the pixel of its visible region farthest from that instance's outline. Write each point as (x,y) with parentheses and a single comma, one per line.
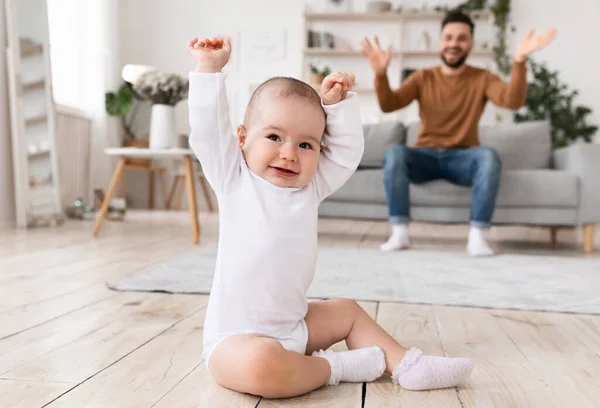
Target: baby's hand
(335,87)
(211,54)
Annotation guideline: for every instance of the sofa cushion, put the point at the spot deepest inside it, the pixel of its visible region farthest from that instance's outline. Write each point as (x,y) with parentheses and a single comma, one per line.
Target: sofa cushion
(379,137)
(364,186)
(524,145)
(518,188)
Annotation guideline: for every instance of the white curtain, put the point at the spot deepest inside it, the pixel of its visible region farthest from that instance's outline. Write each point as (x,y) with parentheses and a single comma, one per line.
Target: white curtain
(85,64)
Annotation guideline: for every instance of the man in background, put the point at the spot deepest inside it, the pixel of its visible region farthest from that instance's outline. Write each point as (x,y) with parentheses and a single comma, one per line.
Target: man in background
(452,97)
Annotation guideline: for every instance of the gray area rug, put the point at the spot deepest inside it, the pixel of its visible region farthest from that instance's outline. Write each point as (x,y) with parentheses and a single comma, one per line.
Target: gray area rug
(441,278)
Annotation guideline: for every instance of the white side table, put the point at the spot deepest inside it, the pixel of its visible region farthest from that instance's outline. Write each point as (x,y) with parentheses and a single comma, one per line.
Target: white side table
(136,152)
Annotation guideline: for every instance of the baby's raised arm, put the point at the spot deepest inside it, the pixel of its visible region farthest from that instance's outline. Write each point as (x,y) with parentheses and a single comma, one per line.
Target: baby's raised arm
(212,138)
(344,139)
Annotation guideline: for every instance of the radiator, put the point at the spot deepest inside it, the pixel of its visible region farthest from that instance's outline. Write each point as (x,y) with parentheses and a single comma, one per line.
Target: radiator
(73,140)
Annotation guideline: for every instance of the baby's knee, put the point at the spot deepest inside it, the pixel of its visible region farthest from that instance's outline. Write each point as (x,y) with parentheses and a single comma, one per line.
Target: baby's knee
(347,305)
(267,371)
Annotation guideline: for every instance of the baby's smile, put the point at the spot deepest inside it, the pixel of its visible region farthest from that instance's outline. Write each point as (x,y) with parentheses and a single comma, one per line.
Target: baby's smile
(283,172)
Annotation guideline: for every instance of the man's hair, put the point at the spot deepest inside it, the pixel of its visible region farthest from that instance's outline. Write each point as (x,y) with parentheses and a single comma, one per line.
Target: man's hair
(458,17)
(284,87)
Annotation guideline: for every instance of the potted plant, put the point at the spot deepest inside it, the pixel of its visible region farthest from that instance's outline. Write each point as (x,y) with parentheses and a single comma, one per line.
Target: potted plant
(318,73)
(550,99)
(164,91)
(120,104)
(124,104)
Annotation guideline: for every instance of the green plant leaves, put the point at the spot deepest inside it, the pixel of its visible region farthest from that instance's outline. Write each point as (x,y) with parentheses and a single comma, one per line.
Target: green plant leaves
(549,99)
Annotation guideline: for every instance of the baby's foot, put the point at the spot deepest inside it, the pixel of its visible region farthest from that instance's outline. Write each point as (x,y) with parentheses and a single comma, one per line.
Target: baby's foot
(359,365)
(418,372)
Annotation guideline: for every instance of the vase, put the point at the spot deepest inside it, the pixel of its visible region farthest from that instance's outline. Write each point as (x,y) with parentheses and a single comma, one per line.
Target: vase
(163,131)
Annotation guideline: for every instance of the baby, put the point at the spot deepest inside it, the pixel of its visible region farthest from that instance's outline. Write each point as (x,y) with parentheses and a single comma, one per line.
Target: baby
(294,148)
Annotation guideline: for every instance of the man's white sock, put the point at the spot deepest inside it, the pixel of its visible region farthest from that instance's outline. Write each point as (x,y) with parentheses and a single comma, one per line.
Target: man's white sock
(398,240)
(477,245)
(418,372)
(360,365)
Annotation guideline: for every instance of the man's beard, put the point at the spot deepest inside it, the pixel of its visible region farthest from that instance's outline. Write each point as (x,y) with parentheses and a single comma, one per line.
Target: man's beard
(456,63)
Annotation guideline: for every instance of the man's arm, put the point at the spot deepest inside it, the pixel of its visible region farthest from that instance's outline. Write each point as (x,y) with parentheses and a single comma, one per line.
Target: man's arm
(391,100)
(379,59)
(511,95)
(344,146)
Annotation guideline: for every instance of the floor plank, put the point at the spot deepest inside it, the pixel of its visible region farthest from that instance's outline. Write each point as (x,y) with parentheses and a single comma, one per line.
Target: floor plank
(28,394)
(143,377)
(503,377)
(36,313)
(31,344)
(566,365)
(111,341)
(198,389)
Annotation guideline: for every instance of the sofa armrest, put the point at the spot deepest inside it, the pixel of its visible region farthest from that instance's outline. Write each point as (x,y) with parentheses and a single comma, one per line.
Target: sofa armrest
(584,161)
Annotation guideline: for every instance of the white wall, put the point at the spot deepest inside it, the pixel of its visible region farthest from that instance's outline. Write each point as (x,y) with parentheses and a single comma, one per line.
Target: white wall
(156,32)
(575,52)
(7,194)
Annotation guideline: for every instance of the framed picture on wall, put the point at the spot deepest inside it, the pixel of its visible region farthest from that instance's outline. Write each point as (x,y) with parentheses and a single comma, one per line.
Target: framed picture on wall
(263,46)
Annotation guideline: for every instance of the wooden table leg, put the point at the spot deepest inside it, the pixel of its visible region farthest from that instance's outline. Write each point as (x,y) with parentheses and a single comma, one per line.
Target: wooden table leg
(151,189)
(111,189)
(191,195)
(163,186)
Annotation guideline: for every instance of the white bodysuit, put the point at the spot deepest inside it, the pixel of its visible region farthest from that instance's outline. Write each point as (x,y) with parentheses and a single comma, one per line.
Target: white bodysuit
(267,234)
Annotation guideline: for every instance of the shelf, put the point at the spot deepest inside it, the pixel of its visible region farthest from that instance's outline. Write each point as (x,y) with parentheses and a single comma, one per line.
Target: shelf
(340,53)
(41,153)
(389,16)
(416,53)
(29,50)
(31,86)
(358,90)
(36,120)
(436,53)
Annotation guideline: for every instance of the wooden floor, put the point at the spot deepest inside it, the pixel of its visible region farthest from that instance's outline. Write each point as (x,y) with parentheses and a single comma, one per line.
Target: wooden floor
(68,341)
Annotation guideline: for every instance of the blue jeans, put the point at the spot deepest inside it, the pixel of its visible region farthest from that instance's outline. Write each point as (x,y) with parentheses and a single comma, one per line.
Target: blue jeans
(478,167)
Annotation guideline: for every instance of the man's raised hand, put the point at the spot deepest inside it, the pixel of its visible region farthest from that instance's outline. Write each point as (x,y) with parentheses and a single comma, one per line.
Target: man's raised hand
(531,43)
(377,56)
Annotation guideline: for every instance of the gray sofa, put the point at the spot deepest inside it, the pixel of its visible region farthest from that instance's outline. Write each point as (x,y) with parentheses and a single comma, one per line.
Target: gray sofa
(539,186)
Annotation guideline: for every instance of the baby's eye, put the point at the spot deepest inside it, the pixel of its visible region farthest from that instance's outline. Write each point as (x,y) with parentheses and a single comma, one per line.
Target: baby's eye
(274,138)
(305,145)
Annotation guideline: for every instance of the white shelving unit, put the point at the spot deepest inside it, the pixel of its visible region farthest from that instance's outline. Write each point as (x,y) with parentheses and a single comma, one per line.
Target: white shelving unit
(402,56)
(37,184)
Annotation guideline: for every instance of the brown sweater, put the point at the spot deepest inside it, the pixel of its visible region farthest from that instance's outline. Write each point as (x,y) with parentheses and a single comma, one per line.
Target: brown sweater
(450,106)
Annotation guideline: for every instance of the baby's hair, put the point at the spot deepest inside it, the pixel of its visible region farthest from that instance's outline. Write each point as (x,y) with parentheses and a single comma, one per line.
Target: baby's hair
(284,87)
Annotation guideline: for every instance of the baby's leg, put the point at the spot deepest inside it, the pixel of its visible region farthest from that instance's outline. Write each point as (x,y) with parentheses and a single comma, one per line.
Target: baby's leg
(259,365)
(330,321)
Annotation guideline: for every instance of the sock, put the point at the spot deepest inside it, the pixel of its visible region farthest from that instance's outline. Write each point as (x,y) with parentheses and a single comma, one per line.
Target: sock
(398,240)
(418,372)
(360,365)
(477,245)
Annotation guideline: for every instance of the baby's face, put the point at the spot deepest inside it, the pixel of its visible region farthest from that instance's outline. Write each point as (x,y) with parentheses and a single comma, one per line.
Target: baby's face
(283,141)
